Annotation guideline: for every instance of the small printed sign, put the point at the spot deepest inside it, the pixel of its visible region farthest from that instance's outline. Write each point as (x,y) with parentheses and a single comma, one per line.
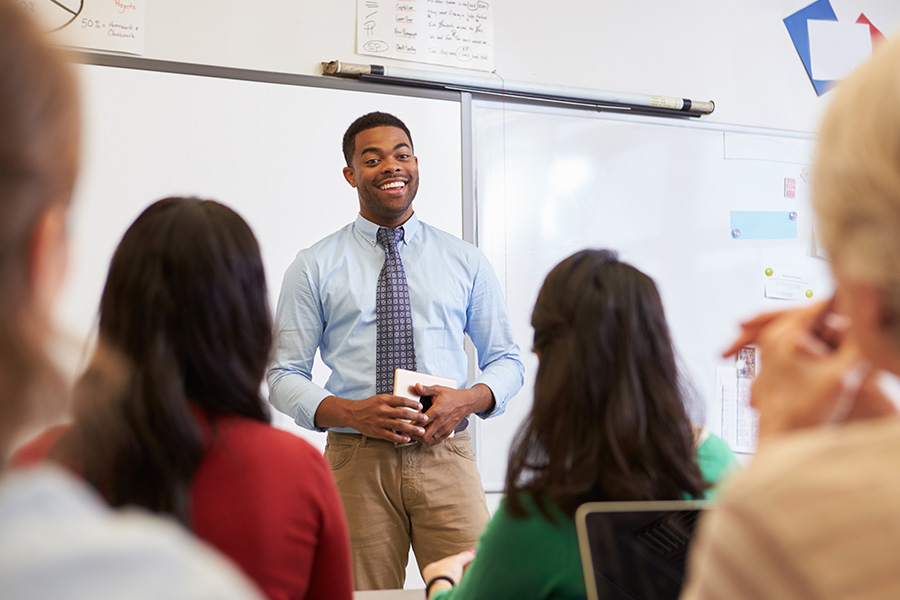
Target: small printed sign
(790,187)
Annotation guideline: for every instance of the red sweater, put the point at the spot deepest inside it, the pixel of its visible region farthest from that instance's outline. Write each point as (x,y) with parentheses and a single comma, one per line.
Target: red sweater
(266,499)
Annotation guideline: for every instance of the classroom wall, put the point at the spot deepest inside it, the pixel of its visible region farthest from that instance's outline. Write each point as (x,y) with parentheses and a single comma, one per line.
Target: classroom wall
(734,52)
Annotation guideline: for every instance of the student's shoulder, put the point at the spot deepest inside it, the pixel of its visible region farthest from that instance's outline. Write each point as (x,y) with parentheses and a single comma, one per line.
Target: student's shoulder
(38,448)
(712,447)
(838,465)
(531,511)
(266,438)
(507,529)
(61,541)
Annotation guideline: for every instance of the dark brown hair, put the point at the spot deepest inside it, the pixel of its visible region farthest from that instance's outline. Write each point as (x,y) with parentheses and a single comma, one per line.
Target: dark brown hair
(185,309)
(39,139)
(608,421)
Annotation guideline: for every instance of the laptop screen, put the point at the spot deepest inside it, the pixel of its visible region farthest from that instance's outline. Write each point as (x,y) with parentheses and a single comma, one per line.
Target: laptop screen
(635,550)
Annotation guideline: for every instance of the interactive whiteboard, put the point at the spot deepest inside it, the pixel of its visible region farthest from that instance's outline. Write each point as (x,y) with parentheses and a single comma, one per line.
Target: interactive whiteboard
(660,192)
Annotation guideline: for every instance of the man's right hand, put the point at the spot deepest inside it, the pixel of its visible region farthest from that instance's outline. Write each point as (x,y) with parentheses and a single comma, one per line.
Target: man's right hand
(383,416)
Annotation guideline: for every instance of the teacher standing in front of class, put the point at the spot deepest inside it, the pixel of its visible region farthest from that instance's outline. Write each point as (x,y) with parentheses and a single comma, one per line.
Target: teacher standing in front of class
(385,292)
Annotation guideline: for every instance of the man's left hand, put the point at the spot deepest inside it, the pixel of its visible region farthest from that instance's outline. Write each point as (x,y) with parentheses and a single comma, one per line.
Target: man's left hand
(449,407)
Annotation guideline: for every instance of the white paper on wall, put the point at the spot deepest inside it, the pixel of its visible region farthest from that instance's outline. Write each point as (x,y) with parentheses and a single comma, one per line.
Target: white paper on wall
(457,33)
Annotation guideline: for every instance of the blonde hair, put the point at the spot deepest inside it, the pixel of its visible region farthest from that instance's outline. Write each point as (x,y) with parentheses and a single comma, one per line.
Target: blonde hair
(39,140)
(856,186)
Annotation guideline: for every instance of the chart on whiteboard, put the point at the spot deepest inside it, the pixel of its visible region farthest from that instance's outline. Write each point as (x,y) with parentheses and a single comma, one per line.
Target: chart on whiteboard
(110,25)
(456,33)
(740,422)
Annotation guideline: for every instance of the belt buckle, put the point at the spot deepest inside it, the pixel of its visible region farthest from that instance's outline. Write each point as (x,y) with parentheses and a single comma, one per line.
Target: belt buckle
(411,442)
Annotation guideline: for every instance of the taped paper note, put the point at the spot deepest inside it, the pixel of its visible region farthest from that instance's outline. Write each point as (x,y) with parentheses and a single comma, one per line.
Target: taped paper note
(763,225)
(837,48)
(788,286)
(740,424)
(799,31)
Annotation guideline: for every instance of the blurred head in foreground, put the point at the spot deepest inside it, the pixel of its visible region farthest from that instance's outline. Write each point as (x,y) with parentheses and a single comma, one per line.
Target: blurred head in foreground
(857,202)
(39,147)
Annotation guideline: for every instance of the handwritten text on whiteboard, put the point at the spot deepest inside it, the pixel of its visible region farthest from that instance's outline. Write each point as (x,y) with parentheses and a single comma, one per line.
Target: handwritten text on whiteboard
(111,25)
(456,33)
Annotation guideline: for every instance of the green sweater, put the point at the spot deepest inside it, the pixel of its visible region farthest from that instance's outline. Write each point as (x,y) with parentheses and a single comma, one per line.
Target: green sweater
(534,558)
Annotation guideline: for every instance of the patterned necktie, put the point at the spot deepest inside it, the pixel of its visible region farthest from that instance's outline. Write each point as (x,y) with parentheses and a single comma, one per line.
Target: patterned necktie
(394,346)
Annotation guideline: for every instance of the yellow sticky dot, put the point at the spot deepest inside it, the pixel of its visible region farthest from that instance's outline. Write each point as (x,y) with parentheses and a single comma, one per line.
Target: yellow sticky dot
(769,272)
(809,293)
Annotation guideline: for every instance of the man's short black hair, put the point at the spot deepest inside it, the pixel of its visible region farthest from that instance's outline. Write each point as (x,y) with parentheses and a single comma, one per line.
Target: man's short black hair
(366,122)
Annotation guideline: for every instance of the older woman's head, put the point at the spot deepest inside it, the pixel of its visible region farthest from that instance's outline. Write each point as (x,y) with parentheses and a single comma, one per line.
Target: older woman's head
(856,195)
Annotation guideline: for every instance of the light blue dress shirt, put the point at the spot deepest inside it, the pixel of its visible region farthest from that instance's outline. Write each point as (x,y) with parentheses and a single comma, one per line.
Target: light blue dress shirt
(327,301)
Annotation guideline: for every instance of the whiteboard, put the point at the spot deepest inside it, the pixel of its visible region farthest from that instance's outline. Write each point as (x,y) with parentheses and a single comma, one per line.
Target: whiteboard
(271,151)
(551,181)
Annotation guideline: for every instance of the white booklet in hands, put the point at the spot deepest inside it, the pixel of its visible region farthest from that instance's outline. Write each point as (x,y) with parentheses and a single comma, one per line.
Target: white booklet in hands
(405,386)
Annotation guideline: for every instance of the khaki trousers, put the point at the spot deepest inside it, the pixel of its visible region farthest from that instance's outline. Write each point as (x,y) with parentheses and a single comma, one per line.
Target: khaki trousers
(427,496)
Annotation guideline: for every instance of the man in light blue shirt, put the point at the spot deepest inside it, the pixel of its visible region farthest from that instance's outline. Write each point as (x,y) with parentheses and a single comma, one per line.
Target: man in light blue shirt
(427,493)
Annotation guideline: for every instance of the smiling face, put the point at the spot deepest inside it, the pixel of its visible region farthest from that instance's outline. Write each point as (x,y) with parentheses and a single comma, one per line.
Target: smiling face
(385,173)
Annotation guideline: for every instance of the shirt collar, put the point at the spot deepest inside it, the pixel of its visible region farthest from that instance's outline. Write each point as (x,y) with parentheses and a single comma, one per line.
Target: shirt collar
(367,229)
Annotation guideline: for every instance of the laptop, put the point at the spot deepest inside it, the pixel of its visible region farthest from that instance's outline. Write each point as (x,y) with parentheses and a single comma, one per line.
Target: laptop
(635,550)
